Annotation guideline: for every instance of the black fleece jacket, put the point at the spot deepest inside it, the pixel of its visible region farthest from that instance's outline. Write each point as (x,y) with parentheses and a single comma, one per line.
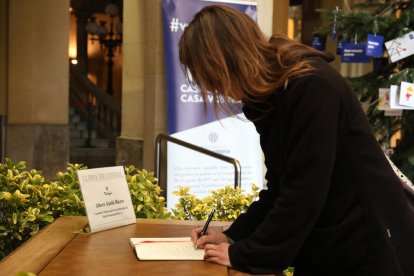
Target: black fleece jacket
(333,205)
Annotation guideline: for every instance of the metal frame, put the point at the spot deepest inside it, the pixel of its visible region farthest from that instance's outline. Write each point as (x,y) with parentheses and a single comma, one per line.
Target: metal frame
(234,162)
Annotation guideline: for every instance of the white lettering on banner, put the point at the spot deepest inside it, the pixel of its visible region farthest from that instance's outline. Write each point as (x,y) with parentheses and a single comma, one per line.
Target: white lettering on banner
(176,25)
(194,98)
(185,98)
(373,43)
(185,88)
(197,98)
(190,94)
(352,52)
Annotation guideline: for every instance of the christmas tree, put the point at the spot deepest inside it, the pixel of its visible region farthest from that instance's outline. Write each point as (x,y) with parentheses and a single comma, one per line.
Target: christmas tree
(391,22)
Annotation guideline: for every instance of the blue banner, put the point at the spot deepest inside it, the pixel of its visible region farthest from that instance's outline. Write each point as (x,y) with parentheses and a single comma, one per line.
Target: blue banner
(319,42)
(374,45)
(182,99)
(354,52)
(187,120)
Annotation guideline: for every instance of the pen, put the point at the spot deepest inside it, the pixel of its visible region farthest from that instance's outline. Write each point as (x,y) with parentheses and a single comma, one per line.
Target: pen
(204,230)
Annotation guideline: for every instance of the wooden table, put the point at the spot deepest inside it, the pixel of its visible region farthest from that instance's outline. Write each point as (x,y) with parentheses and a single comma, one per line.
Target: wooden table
(61,249)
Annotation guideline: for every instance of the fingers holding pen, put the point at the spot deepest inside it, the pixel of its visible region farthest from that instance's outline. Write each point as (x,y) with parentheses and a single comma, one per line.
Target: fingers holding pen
(203,231)
(195,233)
(200,242)
(212,236)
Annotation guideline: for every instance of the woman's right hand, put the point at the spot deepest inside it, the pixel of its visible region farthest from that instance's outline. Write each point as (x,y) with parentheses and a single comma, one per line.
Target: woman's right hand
(210,237)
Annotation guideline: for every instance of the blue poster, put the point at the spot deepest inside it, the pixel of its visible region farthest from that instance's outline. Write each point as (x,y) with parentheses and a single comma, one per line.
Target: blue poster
(188,121)
(374,45)
(319,42)
(354,52)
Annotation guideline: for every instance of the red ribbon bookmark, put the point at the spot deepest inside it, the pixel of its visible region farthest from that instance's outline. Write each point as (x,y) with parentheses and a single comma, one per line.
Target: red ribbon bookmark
(155,242)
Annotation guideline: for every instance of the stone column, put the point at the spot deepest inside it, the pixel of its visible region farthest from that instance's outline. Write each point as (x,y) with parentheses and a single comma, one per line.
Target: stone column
(280,16)
(38,84)
(129,146)
(155,88)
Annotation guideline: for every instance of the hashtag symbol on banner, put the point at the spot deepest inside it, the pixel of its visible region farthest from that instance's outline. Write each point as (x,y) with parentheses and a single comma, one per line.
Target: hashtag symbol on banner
(174,25)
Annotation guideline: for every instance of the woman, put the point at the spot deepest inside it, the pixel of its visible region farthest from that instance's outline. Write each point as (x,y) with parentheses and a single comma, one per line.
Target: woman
(333,205)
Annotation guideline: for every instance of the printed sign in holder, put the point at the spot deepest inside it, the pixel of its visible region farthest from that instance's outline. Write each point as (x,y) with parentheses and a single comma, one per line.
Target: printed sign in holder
(107,198)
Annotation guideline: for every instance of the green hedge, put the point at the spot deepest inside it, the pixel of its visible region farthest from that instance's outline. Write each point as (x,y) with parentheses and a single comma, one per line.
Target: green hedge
(28,201)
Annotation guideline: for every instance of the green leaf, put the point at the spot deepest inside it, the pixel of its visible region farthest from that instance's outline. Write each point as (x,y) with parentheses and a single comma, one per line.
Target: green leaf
(30,217)
(139,207)
(17,236)
(47,218)
(21,165)
(14,218)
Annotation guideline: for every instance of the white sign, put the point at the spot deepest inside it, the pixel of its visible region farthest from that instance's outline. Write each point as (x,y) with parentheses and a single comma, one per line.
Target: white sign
(395,98)
(406,94)
(384,99)
(400,47)
(107,199)
(203,173)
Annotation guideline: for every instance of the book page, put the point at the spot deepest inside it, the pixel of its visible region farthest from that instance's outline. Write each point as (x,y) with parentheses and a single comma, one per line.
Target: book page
(166,249)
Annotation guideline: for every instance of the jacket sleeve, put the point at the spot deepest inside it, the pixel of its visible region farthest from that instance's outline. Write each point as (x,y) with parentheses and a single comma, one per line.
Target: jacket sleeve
(247,222)
(309,150)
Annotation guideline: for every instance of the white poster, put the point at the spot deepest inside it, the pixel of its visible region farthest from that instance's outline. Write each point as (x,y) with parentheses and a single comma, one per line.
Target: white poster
(231,137)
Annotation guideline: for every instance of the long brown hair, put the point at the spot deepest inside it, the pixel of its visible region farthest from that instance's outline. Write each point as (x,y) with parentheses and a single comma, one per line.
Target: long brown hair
(222,45)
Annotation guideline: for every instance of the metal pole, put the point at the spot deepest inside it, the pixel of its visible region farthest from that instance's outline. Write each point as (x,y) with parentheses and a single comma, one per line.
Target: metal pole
(234,162)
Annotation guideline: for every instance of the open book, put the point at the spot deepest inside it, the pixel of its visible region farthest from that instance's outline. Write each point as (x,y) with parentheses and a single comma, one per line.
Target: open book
(166,249)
